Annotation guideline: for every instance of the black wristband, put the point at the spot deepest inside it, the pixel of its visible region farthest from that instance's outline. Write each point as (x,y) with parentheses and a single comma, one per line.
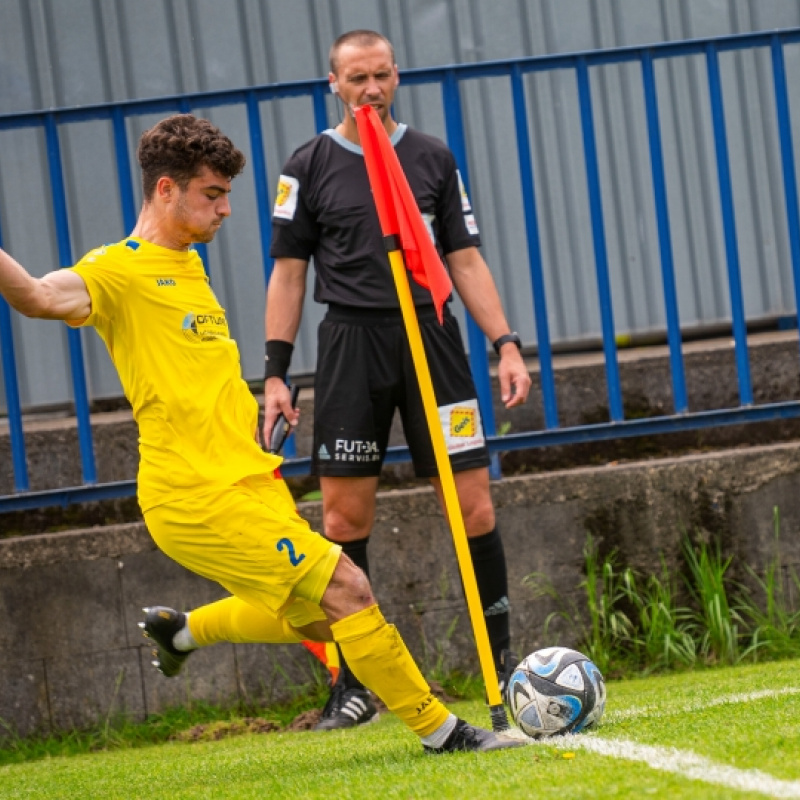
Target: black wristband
(505,339)
(278,356)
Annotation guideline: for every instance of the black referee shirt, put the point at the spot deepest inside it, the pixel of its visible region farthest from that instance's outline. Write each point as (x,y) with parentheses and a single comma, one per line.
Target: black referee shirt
(324,209)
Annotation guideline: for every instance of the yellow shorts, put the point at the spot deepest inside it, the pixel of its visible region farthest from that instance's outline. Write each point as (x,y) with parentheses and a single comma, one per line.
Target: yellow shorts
(250,539)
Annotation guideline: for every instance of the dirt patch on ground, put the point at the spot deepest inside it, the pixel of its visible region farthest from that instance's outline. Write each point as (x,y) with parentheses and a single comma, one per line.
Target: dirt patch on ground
(222,729)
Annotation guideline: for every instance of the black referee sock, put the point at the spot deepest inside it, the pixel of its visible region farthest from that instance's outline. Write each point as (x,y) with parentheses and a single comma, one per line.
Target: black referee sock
(489,562)
(357,552)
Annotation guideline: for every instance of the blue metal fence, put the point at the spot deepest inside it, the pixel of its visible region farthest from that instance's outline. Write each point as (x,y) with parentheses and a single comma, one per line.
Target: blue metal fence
(451,79)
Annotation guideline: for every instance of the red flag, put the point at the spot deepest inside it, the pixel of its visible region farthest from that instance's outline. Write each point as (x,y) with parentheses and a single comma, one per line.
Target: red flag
(328,654)
(397,208)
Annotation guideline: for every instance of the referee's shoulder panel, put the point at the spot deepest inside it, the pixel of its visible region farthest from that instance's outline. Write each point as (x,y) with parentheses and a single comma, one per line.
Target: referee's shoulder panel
(318,145)
(416,138)
(311,156)
(430,149)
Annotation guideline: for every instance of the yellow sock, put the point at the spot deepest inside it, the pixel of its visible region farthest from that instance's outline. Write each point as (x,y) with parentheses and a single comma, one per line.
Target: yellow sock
(379,658)
(233,620)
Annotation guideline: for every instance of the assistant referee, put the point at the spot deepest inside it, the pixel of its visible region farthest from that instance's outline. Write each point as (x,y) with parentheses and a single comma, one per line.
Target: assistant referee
(324,210)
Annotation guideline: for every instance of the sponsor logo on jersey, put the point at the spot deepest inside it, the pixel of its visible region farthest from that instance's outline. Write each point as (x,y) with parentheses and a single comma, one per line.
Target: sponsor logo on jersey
(323,454)
(461,425)
(465,204)
(166,282)
(205,327)
(472,226)
(356,450)
(286,197)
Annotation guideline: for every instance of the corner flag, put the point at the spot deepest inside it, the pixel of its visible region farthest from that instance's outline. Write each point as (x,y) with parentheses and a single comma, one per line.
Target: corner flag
(404,232)
(398,211)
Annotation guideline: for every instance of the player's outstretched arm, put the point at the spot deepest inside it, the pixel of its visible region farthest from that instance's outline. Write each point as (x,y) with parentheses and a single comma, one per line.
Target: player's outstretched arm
(58,295)
(475,286)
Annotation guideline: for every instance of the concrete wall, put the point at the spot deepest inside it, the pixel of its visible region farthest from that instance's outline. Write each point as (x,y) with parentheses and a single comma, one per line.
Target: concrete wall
(71,653)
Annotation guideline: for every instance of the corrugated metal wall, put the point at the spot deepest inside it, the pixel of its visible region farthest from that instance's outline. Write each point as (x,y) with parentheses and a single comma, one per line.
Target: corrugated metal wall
(56,53)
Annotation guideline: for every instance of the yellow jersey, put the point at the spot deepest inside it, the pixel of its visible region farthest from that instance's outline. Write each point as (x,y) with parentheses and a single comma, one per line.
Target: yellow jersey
(169,340)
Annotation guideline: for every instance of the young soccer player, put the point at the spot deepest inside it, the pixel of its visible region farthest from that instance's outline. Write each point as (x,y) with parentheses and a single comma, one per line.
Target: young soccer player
(206,488)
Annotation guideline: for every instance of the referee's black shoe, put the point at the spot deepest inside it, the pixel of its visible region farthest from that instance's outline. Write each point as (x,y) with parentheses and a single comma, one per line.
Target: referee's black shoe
(346,708)
(161,624)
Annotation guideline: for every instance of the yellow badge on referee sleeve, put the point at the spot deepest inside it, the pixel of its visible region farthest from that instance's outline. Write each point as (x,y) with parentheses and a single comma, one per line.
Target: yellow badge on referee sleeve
(286,197)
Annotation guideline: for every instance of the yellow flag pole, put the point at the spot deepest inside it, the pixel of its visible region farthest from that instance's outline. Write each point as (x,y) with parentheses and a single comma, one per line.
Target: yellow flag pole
(452,505)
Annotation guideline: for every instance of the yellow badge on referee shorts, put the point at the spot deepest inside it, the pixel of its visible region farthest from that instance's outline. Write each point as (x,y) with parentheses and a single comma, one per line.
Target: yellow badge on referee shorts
(461,425)
(462,421)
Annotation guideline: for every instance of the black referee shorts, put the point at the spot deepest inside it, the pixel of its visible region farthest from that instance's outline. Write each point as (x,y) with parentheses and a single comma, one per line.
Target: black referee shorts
(365,371)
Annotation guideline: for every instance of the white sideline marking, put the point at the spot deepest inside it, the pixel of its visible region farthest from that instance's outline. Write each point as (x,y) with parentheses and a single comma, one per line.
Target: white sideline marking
(699,705)
(686,764)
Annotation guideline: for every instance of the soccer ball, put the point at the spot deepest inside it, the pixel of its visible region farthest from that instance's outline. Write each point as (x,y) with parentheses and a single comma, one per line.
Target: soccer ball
(554,691)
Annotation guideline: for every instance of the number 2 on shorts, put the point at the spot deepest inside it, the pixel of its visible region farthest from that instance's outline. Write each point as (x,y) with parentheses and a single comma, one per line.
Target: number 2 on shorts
(287,544)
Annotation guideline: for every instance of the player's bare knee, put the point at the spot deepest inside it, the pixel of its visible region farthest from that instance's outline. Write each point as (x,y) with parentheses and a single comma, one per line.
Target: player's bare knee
(345,527)
(361,588)
(479,519)
(348,592)
(355,584)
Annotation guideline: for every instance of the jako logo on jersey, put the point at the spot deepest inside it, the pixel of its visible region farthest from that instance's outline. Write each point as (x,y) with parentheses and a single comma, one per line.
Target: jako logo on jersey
(356,450)
(165,282)
(205,327)
(462,421)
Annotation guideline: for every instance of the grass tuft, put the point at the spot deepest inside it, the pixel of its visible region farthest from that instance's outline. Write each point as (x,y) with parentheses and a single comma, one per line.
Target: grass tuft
(634,623)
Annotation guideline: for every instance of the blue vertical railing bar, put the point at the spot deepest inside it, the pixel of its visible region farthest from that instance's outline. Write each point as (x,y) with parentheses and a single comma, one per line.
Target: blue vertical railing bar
(599,238)
(729,225)
(18,458)
(479,362)
(73,335)
(320,107)
(679,396)
(122,151)
(13,407)
(202,251)
(546,374)
(260,180)
(787,160)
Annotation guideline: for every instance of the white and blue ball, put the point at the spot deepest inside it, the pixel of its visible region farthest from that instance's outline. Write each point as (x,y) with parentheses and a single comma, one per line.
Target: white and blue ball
(554,691)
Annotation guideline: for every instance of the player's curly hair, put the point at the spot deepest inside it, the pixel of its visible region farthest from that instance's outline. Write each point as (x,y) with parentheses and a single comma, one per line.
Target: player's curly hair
(180,146)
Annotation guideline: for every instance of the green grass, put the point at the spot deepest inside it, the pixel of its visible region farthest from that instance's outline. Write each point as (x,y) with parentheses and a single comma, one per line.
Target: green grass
(711,713)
